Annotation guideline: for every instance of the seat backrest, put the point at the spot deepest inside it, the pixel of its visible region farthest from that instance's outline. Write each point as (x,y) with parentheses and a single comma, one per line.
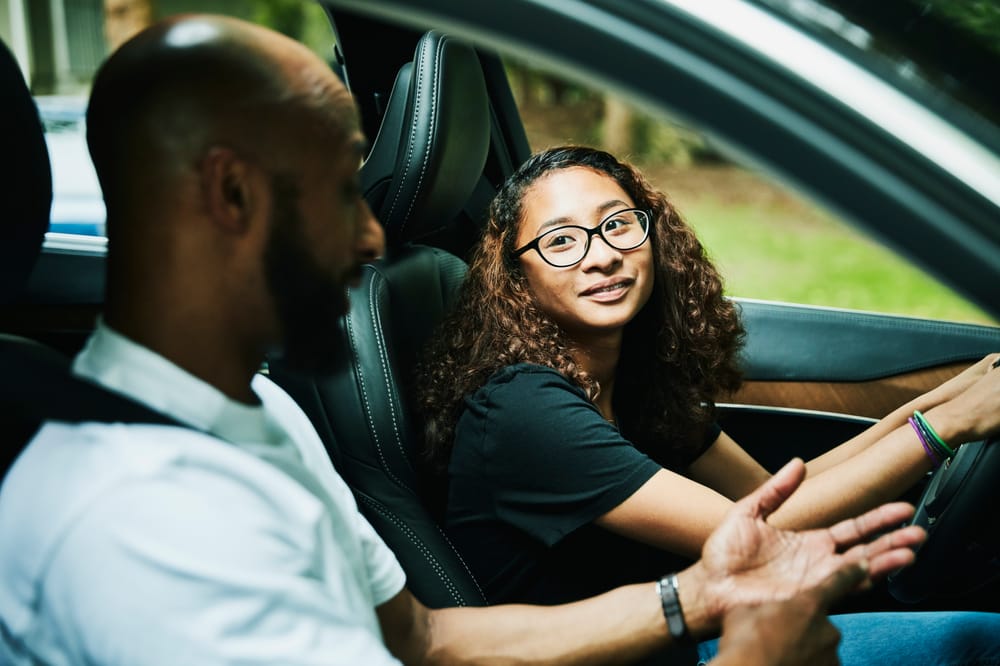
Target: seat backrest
(35,380)
(26,193)
(423,167)
(26,186)
(363,414)
(425,164)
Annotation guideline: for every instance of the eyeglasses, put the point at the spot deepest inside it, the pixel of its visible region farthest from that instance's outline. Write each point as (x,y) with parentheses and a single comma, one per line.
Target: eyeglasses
(564,246)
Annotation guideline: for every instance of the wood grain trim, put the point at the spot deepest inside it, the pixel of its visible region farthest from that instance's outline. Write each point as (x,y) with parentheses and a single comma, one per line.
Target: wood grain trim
(873,399)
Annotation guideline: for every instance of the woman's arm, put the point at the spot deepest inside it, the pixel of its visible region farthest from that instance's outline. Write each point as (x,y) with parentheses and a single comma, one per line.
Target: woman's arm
(892,464)
(872,474)
(926,402)
(670,512)
(728,469)
(731,471)
(676,513)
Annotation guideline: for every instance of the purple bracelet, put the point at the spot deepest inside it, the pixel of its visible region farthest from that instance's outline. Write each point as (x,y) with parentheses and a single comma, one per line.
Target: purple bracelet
(935,461)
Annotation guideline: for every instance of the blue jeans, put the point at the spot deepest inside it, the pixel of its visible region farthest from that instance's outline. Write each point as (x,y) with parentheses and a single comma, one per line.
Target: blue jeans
(910,639)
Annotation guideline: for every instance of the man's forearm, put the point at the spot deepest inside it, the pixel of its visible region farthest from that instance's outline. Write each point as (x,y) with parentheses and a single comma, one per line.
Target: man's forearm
(616,627)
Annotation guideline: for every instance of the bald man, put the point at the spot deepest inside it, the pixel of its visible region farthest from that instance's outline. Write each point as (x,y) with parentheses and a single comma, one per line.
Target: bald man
(228,157)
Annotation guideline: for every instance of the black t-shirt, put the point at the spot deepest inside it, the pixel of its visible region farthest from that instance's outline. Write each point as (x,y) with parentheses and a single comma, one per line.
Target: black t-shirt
(534,464)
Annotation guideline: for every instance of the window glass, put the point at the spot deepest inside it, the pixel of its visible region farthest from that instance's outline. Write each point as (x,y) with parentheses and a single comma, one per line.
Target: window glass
(60,45)
(768,242)
(943,52)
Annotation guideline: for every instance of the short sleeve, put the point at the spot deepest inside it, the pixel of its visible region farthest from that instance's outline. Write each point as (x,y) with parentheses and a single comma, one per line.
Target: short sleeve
(153,573)
(385,574)
(548,460)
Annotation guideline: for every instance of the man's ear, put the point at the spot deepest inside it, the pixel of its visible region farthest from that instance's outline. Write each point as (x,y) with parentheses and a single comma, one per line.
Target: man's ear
(229,186)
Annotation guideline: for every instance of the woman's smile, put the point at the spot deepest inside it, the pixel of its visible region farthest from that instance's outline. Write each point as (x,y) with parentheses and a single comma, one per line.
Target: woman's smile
(608,291)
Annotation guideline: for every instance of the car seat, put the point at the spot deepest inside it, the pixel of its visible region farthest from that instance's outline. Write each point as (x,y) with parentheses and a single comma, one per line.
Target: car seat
(27,196)
(424,166)
(37,384)
(27,187)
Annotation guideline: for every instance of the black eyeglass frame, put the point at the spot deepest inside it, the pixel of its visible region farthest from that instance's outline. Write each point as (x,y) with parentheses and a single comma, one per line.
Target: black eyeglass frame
(591,232)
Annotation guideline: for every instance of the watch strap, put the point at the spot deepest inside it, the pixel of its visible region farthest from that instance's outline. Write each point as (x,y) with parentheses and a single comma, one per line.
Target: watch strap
(671,603)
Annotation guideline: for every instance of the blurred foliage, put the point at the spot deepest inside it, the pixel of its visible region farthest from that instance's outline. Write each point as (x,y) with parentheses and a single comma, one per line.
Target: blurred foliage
(978,17)
(285,16)
(568,111)
(772,251)
(665,142)
(304,21)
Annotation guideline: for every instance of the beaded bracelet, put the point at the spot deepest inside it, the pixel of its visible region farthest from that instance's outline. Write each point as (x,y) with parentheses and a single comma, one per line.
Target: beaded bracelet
(933,438)
(935,461)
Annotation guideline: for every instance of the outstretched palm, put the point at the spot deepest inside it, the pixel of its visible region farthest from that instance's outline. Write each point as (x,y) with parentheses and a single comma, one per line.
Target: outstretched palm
(748,561)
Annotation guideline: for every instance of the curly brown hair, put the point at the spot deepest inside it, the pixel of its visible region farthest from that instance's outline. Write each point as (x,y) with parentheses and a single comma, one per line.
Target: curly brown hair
(678,353)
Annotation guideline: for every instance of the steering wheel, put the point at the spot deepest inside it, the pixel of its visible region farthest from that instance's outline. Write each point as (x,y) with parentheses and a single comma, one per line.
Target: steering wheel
(960,509)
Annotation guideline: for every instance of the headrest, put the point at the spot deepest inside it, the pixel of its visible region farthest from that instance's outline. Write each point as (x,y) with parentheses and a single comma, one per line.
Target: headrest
(26,185)
(431,148)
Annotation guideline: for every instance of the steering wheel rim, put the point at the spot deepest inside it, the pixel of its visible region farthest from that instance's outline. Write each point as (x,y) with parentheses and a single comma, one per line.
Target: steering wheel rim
(959,508)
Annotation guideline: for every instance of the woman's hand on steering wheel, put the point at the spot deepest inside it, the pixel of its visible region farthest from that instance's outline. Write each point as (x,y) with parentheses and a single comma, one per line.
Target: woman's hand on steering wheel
(965,379)
(973,414)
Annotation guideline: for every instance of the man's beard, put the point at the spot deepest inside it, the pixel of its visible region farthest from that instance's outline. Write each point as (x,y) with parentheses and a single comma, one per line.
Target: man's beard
(309,300)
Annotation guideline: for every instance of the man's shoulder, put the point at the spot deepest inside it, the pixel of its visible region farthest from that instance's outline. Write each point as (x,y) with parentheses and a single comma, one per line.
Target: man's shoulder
(68,467)
(90,505)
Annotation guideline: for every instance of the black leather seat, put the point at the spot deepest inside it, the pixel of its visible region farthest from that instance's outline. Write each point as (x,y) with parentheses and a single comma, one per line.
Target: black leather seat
(26,184)
(424,166)
(26,193)
(35,380)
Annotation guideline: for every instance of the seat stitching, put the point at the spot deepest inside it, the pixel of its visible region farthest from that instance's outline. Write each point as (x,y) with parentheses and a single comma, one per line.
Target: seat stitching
(384,362)
(413,130)
(419,84)
(349,319)
(415,539)
(462,560)
(438,71)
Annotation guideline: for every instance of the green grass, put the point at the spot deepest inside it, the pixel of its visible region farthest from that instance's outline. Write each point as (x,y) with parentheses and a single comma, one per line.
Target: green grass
(777,253)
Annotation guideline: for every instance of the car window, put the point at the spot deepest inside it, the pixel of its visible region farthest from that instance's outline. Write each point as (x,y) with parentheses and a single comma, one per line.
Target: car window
(769,242)
(77,206)
(942,52)
(60,46)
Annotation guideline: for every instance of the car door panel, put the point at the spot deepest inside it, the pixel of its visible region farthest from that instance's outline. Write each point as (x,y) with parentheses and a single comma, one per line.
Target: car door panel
(817,376)
(873,399)
(806,343)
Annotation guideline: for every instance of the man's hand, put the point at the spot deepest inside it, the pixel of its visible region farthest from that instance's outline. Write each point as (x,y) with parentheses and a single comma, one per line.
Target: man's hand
(791,632)
(747,561)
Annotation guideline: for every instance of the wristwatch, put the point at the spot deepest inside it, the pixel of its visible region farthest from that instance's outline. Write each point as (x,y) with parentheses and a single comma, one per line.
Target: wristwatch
(671,602)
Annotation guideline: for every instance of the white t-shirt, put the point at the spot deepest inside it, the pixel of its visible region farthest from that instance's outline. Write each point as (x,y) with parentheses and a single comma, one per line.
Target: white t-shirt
(146,544)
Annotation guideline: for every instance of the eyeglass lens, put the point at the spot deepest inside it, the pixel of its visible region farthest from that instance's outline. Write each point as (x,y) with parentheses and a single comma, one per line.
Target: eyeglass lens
(567,245)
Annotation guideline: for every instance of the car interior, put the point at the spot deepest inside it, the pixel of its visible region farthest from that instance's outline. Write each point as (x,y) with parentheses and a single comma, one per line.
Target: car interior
(444,133)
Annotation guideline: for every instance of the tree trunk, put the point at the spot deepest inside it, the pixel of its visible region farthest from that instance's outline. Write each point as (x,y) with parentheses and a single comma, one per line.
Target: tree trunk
(617,126)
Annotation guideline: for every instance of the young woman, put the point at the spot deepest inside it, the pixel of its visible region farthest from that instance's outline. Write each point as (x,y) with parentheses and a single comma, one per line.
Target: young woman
(570,395)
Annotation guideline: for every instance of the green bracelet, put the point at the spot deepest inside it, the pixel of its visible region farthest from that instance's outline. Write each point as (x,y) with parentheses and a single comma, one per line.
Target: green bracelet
(932,435)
